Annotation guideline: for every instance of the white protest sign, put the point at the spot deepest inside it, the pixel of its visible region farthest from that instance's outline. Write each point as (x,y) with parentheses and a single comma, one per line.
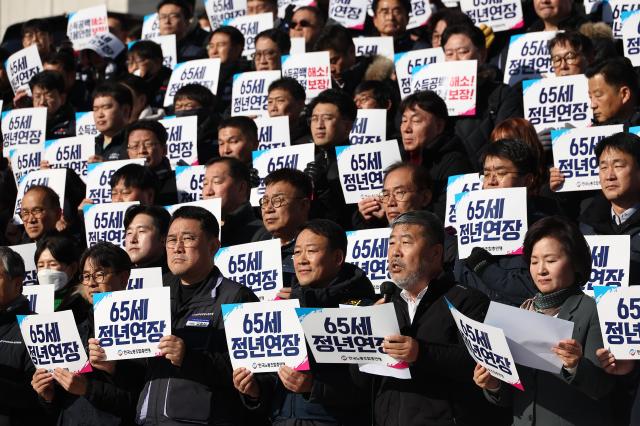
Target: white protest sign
(610,261)
(24,160)
(169,50)
(85,23)
(150,26)
(189,181)
(257,266)
(419,15)
(53,341)
(312,70)
(273,132)
(85,124)
(204,72)
(130,324)
(349,13)
(455,82)
(22,66)
(371,46)
(502,15)
(530,335)
(370,126)
(105,222)
(212,205)
(145,278)
(99,175)
(574,156)
(41,297)
(292,157)
(362,168)
(219,11)
(106,45)
(555,102)
(71,153)
(619,315)
(183,139)
(612,13)
(407,62)
(249,92)
(488,346)
(53,178)
(23,127)
(27,253)
(350,336)
(528,56)
(494,220)
(264,336)
(297,45)
(367,249)
(631,36)
(250,26)
(458,184)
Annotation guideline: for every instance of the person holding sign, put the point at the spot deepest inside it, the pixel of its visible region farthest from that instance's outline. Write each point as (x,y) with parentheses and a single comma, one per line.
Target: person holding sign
(614,211)
(174,17)
(146,230)
(559,262)
(106,394)
(112,105)
(48,90)
(270,46)
(229,179)
(439,391)
(19,403)
(192,383)
(326,393)
(238,138)
(286,97)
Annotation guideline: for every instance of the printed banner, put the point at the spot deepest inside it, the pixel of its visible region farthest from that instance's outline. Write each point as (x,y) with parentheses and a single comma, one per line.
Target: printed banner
(501,15)
(372,46)
(106,45)
(130,324)
(368,250)
(456,185)
(169,50)
(145,278)
(273,132)
(204,72)
(27,252)
(631,36)
(150,27)
(24,160)
(22,66)
(105,222)
(219,11)
(23,127)
(85,23)
(250,26)
(249,92)
(419,15)
(264,336)
(528,57)
(99,175)
(349,13)
(41,298)
(182,141)
(407,62)
(189,181)
(312,70)
(612,13)
(370,126)
(85,124)
(455,82)
(610,260)
(71,153)
(619,315)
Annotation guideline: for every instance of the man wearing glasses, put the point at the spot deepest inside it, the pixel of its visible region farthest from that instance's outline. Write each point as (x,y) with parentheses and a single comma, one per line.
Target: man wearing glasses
(40,211)
(174,17)
(285,208)
(193,382)
(307,22)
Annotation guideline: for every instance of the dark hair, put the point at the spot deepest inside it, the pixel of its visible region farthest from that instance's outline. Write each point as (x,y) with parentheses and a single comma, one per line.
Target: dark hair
(471,31)
(427,101)
(316,11)
(405,3)
(118,92)
(516,151)
(51,197)
(136,84)
(419,175)
(616,72)
(291,85)
(151,125)
(63,248)
(208,222)
(135,176)
(337,38)
(246,125)
(160,216)
(106,255)
(278,37)
(571,239)
(344,102)
(333,232)
(450,17)
(147,49)
(432,227)
(299,180)
(236,37)
(628,143)
(381,92)
(36,24)
(187,10)
(237,169)
(48,80)
(12,262)
(578,41)
(198,93)
(63,57)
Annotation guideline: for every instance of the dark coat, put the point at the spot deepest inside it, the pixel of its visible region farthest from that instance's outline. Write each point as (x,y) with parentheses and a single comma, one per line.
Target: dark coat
(116,150)
(166,191)
(62,123)
(240,226)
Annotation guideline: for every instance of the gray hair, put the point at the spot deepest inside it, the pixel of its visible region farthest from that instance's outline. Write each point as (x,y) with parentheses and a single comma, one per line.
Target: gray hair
(12,263)
(433,229)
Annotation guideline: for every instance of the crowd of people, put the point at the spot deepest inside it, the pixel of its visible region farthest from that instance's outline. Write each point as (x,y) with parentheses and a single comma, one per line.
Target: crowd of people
(192,380)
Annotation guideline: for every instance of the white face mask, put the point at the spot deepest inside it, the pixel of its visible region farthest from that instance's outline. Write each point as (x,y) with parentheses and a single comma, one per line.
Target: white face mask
(49,276)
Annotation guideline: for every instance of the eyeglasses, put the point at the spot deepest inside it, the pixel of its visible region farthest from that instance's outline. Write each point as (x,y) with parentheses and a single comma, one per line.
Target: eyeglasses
(98,277)
(147,145)
(303,23)
(571,58)
(397,194)
(37,212)
(276,201)
(268,54)
(169,16)
(498,174)
(188,241)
